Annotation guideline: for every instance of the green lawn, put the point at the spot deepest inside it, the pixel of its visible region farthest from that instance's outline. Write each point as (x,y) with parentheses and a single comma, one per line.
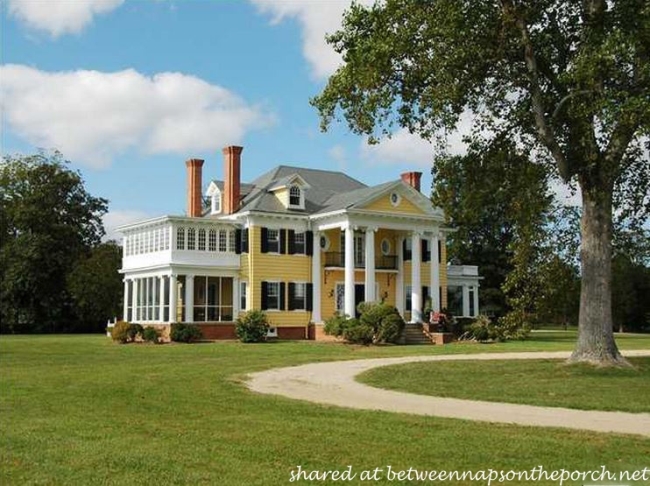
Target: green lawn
(82,410)
(540,382)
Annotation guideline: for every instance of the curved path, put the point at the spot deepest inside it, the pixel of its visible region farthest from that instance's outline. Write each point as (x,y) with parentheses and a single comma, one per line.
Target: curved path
(333,383)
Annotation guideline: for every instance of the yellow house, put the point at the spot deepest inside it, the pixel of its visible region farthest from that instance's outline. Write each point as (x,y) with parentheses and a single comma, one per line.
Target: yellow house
(300,244)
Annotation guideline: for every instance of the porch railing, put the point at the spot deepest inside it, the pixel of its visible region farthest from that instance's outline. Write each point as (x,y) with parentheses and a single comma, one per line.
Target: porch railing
(383,262)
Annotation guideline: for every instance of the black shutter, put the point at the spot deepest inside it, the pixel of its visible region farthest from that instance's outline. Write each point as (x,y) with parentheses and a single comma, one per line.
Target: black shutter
(406,254)
(282,237)
(425,296)
(264,240)
(309,243)
(292,243)
(283,294)
(439,251)
(426,254)
(238,241)
(265,304)
(244,242)
(309,295)
(292,293)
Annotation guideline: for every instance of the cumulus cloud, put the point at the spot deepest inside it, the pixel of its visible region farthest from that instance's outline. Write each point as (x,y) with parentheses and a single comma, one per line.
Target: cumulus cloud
(402,148)
(316,19)
(59,17)
(114,219)
(91,116)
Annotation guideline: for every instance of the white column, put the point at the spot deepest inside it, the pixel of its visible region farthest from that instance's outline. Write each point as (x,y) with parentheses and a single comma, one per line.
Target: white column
(189,298)
(349,271)
(161,299)
(476,312)
(416,281)
(465,300)
(435,274)
(371,294)
(134,300)
(235,298)
(399,284)
(316,279)
(173,290)
(125,304)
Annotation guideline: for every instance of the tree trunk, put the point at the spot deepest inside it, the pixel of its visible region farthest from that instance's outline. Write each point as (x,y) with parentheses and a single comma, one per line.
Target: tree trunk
(596,343)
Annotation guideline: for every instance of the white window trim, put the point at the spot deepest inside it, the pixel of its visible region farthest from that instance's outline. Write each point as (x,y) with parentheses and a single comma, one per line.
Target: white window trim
(304,309)
(301,199)
(277,309)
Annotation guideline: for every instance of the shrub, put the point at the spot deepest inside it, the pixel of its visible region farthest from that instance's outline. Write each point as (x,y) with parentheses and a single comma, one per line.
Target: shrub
(120,332)
(134,331)
(151,335)
(252,327)
(335,326)
(185,333)
(384,319)
(482,329)
(357,332)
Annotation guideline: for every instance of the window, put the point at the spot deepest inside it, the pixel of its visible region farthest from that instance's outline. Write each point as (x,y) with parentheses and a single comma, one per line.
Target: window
(340,297)
(191,238)
(223,241)
(201,239)
(180,238)
(407,294)
(273,295)
(295,196)
(273,241)
(406,249)
(215,203)
(426,251)
(297,296)
(298,243)
(359,249)
(212,240)
(395,199)
(324,243)
(243,296)
(232,240)
(385,247)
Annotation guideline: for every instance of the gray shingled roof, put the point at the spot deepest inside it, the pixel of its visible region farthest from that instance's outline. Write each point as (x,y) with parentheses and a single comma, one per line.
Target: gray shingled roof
(328,189)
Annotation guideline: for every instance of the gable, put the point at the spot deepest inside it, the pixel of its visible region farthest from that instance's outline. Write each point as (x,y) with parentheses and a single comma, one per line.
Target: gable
(394,202)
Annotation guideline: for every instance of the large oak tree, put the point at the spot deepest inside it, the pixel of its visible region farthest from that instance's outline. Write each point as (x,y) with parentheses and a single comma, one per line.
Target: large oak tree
(569,80)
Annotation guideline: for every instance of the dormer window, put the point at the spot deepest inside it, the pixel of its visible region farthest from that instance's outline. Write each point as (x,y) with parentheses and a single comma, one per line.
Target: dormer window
(216,203)
(295,197)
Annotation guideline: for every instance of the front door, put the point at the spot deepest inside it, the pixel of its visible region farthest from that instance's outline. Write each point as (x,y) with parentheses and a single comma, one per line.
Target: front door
(359,296)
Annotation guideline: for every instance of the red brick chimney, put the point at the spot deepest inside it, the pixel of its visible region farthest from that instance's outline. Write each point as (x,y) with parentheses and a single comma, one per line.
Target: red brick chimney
(231,174)
(194,183)
(412,179)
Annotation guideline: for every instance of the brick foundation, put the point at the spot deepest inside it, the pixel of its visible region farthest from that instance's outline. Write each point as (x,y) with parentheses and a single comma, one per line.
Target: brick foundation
(292,332)
(215,332)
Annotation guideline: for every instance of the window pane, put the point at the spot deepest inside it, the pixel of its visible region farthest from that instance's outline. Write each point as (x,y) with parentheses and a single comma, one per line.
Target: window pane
(273,239)
(180,238)
(272,295)
(212,240)
(191,238)
(201,239)
(222,240)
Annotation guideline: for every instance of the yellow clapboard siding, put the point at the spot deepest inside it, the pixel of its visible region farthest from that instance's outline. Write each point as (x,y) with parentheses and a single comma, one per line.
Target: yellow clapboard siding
(383,204)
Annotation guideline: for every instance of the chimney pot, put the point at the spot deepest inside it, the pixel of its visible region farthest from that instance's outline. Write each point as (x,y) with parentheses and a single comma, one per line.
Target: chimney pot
(194,185)
(412,179)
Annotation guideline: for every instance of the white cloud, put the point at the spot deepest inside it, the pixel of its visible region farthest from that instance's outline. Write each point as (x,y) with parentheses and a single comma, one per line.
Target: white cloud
(113,219)
(91,116)
(58,17)
(316,19)
(401,148)
(338,153)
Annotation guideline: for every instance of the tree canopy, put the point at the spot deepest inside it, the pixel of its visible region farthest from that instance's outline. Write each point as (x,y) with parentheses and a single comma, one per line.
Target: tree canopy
(567,81)
(49,221)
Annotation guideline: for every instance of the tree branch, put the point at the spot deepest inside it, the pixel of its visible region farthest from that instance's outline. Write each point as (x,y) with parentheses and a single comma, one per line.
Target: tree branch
(544,131)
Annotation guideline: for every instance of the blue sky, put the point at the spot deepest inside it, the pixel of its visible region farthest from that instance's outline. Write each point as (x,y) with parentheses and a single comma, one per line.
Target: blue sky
(128,90)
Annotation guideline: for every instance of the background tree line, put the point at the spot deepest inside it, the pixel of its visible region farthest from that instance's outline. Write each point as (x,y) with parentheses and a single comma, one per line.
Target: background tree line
(526,243)
(55,273)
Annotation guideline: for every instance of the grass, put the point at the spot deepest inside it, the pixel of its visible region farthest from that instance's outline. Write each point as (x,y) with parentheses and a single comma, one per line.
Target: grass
(540,382)
(82,410)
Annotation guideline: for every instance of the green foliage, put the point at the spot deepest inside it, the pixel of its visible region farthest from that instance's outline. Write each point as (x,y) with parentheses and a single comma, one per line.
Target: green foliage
(151,335)
(48,221)
(252,327)
(507,328)
(383,319)
(335,325)
(630,303)
(120,332)
(357,332)
(566,81)
(96,286)
(379,323)
(135,330)
(185,333)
